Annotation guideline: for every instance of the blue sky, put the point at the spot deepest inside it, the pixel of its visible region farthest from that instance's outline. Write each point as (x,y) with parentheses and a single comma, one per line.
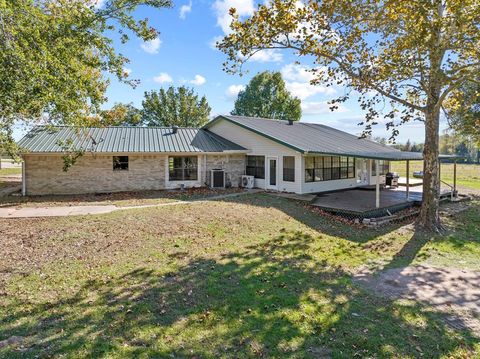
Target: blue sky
(184,54)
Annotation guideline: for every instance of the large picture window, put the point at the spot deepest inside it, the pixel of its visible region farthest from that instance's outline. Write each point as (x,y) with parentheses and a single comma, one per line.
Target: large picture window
(289,168)
(327,168)
(384,167)
(120,163)
(256,166)
(183,168)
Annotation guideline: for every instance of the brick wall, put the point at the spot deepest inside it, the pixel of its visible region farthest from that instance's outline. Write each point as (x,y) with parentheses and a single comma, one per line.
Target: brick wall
(95,174)
(234,166)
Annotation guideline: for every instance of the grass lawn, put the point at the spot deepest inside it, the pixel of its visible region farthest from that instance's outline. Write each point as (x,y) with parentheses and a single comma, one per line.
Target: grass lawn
(252,276)
(10,171)
(468,175)
(120,199)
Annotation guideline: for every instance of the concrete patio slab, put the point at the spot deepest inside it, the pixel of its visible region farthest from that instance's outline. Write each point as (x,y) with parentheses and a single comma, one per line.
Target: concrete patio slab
(61,211)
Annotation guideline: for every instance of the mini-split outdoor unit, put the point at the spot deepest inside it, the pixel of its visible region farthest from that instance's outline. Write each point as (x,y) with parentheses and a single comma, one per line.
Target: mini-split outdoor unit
(248,181)
(217,178)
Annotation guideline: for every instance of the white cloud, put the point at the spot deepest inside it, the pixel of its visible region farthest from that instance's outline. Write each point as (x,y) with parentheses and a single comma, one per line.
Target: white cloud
(151,46)
(222,8)
(213,42)
(297,81)
(304,90)
(319,107)
(270,55)
(295,72)
(163,78)
(198,80)
(233,90)
(97,3)
(185,9)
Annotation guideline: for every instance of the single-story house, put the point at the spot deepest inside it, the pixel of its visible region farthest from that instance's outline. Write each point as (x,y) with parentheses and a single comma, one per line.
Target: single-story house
(279,155)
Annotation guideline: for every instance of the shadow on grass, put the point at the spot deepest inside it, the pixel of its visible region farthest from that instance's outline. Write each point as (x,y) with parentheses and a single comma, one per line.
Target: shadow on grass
(268,300)
(326,225)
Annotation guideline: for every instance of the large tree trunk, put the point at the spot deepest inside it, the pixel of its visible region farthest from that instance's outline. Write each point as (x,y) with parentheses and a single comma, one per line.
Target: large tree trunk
(429,219)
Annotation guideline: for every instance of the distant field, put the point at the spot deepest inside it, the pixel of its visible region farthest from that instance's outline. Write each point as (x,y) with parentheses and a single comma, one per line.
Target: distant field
(10,171)
(467,175)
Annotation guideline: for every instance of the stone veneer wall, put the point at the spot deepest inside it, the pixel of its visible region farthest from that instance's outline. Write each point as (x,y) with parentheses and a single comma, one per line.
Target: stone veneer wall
(94,173)
(234,166)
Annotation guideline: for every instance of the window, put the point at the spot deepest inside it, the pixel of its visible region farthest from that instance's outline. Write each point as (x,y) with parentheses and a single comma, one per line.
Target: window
(183,168)
(120,163)
(256,166)
(326,168)
(289,168)
(384,167)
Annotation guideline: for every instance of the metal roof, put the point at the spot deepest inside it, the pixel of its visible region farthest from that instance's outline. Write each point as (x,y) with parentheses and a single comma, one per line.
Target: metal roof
(314,138)
(45,139)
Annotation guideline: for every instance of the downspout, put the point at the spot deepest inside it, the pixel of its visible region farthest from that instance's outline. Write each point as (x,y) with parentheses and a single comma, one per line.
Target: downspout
(377,184)
(205,169)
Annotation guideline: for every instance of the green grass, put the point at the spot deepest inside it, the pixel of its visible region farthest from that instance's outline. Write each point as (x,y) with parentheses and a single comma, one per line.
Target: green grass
(120,199)
(254,276)
(468,175)
(10,171)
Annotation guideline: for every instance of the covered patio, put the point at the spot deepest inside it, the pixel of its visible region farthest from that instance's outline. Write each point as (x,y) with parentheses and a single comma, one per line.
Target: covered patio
(379,200)
(361,202)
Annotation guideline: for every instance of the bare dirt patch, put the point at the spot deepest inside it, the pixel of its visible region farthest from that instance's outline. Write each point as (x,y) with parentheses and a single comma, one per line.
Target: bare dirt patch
(450,290)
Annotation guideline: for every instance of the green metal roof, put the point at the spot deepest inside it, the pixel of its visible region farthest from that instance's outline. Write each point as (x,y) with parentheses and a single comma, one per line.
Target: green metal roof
(312,138)
(45,139)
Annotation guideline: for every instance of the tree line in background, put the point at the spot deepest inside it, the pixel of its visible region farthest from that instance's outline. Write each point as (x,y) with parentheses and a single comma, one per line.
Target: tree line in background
(264,96)
(179,106)
(450,143)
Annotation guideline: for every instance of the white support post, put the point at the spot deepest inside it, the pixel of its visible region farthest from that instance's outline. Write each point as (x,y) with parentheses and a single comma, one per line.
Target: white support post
(408,179)
(455,177)
(24,184)
(377,187)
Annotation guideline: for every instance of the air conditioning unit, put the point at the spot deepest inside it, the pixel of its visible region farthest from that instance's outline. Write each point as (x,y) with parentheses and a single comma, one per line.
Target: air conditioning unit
(248,181)
(217,178)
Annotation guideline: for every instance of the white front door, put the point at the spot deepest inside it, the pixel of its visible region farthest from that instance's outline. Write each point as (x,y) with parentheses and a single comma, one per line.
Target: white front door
(271,182)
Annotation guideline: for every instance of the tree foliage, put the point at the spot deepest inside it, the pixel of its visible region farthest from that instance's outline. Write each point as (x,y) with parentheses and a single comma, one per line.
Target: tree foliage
(175,107)
(121,115)
(411,54)
(266,96)
(464,111)
(54,57)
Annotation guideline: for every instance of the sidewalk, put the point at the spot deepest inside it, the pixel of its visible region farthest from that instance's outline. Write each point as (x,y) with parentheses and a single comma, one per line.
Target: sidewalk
(64,211)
